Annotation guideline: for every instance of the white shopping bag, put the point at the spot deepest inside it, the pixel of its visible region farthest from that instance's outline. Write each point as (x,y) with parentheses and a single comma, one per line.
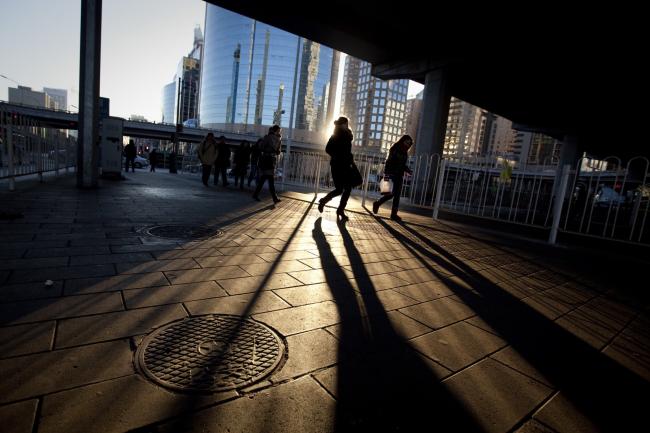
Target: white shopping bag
(386,185)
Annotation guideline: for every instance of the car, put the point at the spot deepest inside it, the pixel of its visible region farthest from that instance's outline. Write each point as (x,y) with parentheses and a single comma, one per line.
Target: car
(191,123)
(606,196)
(141,162)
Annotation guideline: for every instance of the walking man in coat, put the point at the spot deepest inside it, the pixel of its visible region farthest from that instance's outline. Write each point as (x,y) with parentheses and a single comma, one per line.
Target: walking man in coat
(270,148)
(207,156)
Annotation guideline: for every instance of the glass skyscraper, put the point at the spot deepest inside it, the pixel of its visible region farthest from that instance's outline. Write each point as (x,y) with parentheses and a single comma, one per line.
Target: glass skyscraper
(187,80)
(250,72)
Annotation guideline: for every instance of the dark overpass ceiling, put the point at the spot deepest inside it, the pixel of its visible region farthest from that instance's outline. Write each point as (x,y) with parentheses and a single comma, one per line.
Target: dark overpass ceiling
(559,68)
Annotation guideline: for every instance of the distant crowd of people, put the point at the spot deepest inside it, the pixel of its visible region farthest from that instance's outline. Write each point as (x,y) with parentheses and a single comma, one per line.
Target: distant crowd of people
(258,162)
(261,157)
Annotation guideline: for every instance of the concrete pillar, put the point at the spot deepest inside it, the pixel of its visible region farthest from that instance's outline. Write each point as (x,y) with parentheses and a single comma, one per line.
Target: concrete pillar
(568,156)
(89,64)
(433,125)
(435,108)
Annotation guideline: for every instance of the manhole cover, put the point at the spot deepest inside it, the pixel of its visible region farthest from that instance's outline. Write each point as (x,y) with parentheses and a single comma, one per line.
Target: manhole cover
(210,353)
(183,231)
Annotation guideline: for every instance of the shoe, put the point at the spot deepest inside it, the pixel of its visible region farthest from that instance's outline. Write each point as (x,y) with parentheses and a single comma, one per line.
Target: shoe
(276,200)
(375,207)
(396,217)
(343,216)
(321,206)
(256,198)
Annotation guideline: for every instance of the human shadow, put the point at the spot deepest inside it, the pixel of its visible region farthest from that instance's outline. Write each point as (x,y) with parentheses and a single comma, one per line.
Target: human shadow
(383,384)
(590,382)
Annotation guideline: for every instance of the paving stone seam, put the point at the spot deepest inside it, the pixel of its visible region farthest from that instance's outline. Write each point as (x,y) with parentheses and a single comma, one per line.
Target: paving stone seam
(489,355)
(40,396)
(610,342)
(512,367)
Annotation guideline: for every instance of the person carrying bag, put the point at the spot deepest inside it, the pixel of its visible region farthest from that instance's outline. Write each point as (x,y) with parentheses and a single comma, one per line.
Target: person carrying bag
(394,169)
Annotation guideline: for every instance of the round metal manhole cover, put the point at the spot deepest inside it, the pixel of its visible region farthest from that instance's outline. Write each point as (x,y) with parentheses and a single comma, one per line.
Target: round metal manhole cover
(183,231)
(210,353)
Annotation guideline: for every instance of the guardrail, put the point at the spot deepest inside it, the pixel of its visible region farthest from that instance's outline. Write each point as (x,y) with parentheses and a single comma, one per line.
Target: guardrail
(28,147)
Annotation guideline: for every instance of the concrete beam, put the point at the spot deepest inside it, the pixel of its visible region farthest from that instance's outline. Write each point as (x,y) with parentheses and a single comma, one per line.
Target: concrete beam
(411,70)
(89,67)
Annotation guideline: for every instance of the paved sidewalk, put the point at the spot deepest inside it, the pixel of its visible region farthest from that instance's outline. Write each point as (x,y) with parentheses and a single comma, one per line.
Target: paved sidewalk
(421,326)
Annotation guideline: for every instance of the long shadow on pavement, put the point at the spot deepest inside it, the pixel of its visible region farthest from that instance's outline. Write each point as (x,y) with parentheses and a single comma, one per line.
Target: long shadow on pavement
(599,388)
(383,385)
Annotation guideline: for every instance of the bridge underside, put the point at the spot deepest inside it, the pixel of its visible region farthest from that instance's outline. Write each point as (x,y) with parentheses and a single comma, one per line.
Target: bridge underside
(553,70)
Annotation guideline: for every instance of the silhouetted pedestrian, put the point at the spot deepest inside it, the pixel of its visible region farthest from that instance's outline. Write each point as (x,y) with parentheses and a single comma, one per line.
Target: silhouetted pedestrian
(208,155)
(255,156)
(130,154)
(242,155)
(153,159)
(223,160)
(394,169)
(339,147)
(270,148)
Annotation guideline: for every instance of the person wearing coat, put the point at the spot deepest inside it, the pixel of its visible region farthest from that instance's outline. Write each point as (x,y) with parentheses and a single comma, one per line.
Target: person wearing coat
(223,161)
(208,156)
(241,159)
(395,168)
(255,156)
(269,149)
(130,153)
(153,159)
(339,147)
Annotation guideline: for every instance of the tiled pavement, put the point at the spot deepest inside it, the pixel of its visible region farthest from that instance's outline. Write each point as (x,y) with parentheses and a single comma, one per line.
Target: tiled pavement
(416,327)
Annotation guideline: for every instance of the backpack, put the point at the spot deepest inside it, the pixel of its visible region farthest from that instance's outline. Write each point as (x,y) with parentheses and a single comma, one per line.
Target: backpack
(329,148)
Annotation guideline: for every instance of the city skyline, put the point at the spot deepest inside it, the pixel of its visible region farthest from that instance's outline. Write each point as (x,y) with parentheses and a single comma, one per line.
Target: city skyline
(148,36)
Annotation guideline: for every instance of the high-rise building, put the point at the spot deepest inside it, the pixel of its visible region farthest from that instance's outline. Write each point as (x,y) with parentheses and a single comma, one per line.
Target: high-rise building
(252,72)
(26,96)
(466,129)
(60,96)
(169,103)
(501,135)
(180,98)
(535,148)
(413,115)
(376,108)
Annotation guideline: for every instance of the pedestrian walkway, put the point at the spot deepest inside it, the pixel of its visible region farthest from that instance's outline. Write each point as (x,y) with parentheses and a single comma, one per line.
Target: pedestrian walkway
(381,327)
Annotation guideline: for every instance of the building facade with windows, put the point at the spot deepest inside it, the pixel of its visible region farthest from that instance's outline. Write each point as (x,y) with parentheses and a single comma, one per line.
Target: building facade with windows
(180,98)
(376,108)
(253,72)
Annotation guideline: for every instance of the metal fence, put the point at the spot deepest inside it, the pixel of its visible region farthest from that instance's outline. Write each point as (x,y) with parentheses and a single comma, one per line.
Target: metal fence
(28,147)
(607,198)
(596,198)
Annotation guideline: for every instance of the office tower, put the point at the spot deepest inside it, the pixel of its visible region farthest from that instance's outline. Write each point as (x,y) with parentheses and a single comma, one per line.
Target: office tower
(252,72)
(180,98)
(376,108)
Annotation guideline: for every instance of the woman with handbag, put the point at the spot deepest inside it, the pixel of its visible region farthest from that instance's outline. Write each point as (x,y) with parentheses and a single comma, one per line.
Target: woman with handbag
(269,148)
(394,169)
(339,147)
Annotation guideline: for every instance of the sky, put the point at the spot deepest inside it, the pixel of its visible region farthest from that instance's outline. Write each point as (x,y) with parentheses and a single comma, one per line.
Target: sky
(142,43)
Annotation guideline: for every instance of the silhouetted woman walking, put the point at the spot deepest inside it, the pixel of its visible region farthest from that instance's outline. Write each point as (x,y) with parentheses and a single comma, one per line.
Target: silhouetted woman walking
(394,169)
(339,147)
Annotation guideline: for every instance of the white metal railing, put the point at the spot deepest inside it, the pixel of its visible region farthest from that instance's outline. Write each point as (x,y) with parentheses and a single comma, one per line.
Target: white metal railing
(495,187)
(608,199)
(28,147)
